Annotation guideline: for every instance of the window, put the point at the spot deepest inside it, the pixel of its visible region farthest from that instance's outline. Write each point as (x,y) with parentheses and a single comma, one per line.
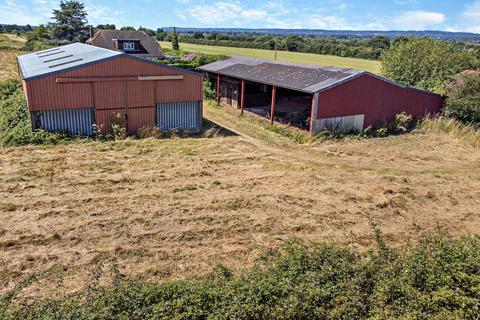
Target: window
(129,46)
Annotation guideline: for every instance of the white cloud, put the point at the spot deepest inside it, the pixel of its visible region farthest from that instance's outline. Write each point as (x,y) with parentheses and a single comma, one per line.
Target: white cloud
(224,11)
(418,20)
(471,17)
(316,21)
(15,12)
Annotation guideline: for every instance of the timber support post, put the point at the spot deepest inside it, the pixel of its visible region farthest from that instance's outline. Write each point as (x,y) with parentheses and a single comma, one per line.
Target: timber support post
(242,97)
(272,111)
(218,88)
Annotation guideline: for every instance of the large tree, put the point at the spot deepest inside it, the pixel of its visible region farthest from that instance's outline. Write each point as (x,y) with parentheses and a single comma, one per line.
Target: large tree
(70,22)
(425,63)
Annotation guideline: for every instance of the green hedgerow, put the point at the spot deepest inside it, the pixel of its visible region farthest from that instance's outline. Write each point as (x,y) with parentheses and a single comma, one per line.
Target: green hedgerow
(464,101)
(15,123)
(439,278)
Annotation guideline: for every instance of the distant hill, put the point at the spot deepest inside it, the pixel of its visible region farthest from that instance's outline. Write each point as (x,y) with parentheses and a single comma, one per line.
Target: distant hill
(442,35)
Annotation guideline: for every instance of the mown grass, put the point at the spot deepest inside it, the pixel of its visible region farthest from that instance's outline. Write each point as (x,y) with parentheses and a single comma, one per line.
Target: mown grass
(298,57)
(439,278)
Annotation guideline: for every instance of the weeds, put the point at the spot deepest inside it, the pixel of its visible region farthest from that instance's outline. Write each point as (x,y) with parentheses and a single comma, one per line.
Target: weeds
(437,278)
(453,128)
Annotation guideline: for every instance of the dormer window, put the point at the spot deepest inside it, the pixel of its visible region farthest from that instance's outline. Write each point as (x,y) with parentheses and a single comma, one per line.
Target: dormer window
(129,46)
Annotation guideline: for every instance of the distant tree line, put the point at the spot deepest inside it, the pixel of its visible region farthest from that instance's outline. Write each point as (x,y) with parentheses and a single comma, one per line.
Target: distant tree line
(365,48)
(361,47)
(14,28)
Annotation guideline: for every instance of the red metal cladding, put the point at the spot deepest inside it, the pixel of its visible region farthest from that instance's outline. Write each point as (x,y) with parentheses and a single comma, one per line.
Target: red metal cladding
(46,94)
(139,118)
(105,118)
(109,95)
(141,93)
(376,99)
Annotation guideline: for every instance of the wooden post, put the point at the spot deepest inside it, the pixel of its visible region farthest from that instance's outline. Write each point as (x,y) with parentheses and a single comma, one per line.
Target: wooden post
(272,111)
(242,98)
(218,88)
(312,114)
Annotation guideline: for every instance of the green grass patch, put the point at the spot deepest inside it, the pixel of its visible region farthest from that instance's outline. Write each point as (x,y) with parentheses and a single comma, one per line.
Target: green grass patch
(298,57)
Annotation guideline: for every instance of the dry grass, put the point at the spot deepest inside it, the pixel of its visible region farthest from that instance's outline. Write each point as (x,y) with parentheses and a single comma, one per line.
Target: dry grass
(455,129)
(8,64)
(177,207)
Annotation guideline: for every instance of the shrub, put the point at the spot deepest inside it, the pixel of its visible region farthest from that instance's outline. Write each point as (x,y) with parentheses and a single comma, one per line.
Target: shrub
(15,123)
(439,278)
(464,101)
(425,63)
(208,91)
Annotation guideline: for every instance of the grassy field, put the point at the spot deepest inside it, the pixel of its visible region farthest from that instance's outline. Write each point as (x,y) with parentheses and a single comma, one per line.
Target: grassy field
(8,64)
(10,46)
(298,57)
(173,208)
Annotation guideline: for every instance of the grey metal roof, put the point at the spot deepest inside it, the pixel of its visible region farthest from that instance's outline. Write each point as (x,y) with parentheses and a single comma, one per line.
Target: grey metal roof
(62,58)
(301,77)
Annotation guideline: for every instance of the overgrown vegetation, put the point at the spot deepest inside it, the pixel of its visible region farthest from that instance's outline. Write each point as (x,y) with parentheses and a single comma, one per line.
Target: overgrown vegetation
(438,278)
(426,64)
(15,123)
(452,127)
(463,102)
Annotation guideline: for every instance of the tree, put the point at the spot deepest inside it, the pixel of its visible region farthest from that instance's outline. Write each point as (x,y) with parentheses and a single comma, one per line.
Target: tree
(198,35)
(175,45)
(148,31)
(70,22)
(36,38)
(380,42)
(128,28)
(463,102)
(293,43)
(425,63)
(106,27)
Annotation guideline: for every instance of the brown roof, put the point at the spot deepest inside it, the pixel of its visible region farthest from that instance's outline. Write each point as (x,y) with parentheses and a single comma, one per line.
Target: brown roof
(108,39)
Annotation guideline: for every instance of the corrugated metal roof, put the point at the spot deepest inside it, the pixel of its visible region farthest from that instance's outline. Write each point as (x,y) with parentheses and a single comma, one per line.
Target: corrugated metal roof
(61,58)
(301,77)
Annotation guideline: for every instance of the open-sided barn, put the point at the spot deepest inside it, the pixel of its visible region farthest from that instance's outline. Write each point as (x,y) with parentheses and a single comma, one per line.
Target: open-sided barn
(72,87)
(315,98)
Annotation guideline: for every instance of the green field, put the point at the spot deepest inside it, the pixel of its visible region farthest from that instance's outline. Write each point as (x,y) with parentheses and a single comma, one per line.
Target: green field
(360,64)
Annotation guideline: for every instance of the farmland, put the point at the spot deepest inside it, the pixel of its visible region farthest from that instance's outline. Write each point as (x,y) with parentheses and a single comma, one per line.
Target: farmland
(340,62)
(10,46)
(174,208)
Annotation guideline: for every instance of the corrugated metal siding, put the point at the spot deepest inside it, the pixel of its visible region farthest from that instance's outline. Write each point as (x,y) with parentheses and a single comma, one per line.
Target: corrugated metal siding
(45,93)
(141,94)
(376,99)
(179,115)
(139,118)
(73,121)
(109,95)
(103,119)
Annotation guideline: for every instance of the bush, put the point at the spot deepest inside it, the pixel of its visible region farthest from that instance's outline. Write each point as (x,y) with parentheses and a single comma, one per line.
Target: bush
(208,91)
(463,103)
(439,278)
(425,63)
(15,123)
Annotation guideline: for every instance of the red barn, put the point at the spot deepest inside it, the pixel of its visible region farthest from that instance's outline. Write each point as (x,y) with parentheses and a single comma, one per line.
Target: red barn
(315,98)
(72,87)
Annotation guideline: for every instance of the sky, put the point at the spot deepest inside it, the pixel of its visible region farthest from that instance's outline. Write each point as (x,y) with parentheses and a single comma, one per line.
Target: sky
(446,15)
